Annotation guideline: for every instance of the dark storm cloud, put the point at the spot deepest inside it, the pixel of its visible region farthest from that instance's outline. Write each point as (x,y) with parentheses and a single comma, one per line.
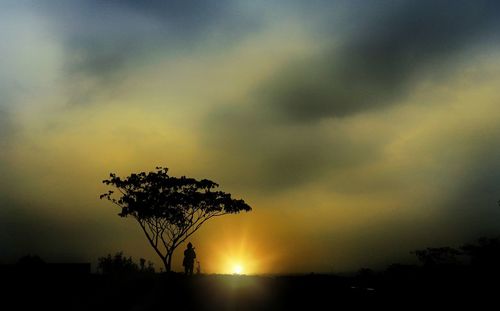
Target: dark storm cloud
(377,62)
(380,58)
(185,16)
(270,156)
(105,38)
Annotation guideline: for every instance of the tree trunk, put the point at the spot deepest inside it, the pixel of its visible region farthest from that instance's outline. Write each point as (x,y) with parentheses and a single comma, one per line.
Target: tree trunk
(167,264)
(168,261)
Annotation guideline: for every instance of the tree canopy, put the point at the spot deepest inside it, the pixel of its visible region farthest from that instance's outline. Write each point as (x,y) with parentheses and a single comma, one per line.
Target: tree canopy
(169,209)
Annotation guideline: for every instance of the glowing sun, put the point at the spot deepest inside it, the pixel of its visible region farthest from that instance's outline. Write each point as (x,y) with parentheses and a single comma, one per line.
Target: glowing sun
(237,269)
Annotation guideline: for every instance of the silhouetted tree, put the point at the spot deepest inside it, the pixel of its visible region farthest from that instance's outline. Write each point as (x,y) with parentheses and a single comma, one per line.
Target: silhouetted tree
(484,253)
(149,268)
(438,256)
(169,209)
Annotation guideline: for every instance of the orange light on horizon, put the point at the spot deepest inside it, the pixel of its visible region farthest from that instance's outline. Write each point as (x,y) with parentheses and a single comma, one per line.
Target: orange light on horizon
(238,269)
(237,256)
(241,248)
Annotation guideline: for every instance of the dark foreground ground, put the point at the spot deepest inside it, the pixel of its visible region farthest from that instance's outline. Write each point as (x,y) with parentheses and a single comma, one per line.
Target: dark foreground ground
(423,291)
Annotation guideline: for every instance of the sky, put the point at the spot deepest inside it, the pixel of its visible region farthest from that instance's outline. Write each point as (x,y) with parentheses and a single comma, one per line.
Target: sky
(358,131)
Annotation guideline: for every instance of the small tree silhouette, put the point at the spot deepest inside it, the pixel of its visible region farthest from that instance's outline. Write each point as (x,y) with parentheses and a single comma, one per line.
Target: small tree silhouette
(149,268)
(169,209)
(438,256)
(117,264)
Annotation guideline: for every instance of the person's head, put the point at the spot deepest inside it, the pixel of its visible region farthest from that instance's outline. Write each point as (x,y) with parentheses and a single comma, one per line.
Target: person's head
(190,245)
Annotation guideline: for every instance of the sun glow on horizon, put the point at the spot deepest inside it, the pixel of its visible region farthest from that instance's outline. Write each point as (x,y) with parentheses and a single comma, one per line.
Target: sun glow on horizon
(237,254)
(238,269)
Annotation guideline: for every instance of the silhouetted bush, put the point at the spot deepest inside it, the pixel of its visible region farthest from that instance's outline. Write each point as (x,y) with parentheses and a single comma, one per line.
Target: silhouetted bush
(438,256)
(119,264)
(149,268)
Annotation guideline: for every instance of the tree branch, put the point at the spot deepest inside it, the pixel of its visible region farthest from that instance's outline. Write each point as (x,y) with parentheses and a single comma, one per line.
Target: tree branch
(150,240)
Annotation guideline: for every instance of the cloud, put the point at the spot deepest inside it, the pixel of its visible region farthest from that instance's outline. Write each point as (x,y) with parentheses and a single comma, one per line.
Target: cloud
(6,128)
(300,125)
(272,157)
(10,91)
(104,40)
(377,130)
(379,61)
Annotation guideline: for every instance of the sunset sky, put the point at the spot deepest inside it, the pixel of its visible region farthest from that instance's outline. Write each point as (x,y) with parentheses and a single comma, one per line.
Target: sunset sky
(358,131)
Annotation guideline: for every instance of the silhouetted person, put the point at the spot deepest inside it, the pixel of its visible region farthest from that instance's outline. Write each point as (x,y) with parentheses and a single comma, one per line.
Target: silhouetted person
(188,262)
(198,268)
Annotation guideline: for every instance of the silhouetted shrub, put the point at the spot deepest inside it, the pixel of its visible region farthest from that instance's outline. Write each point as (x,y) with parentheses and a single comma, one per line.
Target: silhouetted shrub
(438,256)
(149,268)
(117,264)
